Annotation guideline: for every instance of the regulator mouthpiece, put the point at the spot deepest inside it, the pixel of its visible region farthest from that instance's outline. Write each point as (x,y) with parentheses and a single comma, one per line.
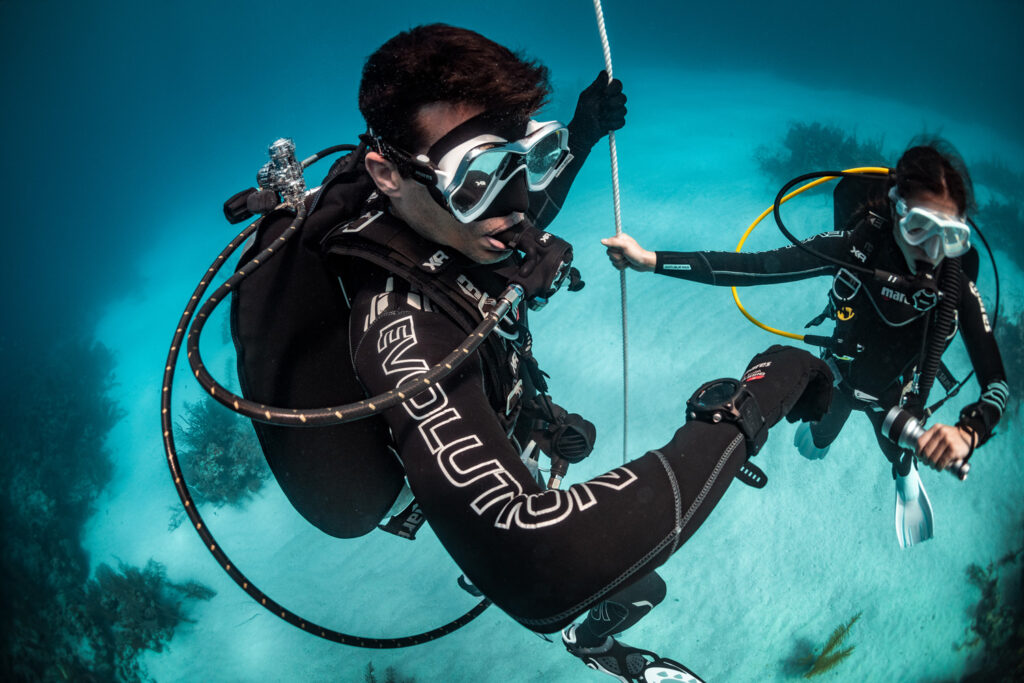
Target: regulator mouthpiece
(546,263)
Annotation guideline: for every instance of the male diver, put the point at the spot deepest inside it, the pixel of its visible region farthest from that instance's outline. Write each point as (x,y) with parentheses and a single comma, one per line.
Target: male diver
(889,335)
(462,172)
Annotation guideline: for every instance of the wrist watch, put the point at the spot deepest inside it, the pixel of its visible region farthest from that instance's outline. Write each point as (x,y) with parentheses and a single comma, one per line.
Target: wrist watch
(729,400)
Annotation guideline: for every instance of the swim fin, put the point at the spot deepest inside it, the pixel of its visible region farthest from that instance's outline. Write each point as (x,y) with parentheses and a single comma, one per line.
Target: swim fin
(625,663)
(913,510)
(804,443)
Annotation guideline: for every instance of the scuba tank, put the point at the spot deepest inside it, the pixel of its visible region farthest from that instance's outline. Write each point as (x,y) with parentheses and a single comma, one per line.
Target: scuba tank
(289,324)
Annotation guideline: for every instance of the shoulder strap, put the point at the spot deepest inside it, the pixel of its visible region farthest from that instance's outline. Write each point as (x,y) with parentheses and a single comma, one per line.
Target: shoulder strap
(381,239)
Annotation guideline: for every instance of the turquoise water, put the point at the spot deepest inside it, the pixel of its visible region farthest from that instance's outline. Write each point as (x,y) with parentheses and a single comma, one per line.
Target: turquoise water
(128,125)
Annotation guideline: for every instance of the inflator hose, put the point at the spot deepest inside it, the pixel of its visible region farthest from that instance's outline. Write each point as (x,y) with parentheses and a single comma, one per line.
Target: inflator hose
(331,415)
(949,285)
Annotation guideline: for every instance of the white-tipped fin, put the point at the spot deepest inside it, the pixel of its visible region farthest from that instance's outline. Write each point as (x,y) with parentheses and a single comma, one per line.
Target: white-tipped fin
(914,523)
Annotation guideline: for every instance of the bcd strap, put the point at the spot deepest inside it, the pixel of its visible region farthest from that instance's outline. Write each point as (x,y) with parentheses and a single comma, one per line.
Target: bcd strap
(946,378)
(752,475)
(407,522)
(383,241)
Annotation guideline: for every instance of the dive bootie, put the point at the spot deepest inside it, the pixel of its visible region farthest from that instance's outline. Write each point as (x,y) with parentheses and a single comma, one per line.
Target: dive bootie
(625,663)
(804,442)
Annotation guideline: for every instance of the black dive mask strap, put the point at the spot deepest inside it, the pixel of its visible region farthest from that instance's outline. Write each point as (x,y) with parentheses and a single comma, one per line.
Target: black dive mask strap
(486,123)
(408,165)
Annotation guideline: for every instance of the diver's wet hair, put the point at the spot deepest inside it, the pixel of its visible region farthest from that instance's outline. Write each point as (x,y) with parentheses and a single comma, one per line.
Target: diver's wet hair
(932,164)
(441,63)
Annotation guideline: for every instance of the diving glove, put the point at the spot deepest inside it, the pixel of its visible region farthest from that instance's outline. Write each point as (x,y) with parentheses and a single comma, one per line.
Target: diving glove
(600,109)
(789,382)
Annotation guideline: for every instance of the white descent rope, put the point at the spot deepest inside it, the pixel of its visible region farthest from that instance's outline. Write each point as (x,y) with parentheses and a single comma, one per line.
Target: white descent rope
(606,48)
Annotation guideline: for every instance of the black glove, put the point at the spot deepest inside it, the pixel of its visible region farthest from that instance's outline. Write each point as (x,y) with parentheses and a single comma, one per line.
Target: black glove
(601,108)
(789,382)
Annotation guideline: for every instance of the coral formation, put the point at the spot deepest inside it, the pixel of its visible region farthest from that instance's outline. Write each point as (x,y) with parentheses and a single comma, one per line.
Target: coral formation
(1010,337)
(220,455)
(390,676)
(998,622)
(816,663)
(131,610)
(816,147)
(58,624)
(1000,221)
(1000,217)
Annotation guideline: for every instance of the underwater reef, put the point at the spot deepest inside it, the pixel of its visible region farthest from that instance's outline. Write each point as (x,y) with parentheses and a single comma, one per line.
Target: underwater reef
(390,676)
(997,624)
(220,454)
(131,610)
(808,147)
(59,624)
(1010,338)
(1002,215)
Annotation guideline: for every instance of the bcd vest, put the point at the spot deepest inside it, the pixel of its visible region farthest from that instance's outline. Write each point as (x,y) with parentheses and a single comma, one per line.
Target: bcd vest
(289,322)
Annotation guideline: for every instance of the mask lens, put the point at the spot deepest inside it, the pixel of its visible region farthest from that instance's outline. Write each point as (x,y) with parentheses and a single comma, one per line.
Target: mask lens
(917,227)
(542,159)
(478,179)
(920,226)
(472,191)
(956,241)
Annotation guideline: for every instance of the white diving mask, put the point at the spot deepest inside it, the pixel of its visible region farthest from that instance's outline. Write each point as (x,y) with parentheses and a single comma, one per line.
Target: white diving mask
(935,233)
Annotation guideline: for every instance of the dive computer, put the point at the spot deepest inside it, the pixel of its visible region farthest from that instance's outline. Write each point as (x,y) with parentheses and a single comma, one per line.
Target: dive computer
(729,400)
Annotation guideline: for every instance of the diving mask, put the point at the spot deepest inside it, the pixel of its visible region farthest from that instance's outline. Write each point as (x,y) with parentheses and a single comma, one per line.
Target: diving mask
(466,174)
(936,233)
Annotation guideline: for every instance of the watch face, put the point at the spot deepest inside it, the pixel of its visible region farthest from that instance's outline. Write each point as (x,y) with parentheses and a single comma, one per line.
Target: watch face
(717,394)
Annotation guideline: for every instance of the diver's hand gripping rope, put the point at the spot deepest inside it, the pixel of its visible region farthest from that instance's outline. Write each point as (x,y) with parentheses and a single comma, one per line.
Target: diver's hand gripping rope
(607,50)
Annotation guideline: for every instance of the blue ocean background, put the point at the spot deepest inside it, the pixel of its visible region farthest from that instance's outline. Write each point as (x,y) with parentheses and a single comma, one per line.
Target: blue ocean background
(128,124)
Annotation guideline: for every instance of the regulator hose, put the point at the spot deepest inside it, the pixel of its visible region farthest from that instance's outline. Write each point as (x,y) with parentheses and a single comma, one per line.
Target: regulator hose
(945,317)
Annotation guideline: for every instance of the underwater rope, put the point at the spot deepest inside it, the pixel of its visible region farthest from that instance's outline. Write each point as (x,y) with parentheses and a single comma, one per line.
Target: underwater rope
(607,50)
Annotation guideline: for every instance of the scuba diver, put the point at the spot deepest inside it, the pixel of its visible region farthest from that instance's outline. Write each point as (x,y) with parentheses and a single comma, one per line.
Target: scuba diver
(889,333)
(409,242)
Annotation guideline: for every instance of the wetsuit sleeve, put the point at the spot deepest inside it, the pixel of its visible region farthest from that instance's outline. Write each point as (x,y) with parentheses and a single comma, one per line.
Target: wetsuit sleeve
(732,269)
(976,328)
(543,556)
(545,204)
(601,108)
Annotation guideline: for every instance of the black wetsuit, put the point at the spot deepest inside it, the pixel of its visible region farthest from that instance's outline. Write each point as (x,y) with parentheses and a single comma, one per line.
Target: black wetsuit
(543,556)
(880,327)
